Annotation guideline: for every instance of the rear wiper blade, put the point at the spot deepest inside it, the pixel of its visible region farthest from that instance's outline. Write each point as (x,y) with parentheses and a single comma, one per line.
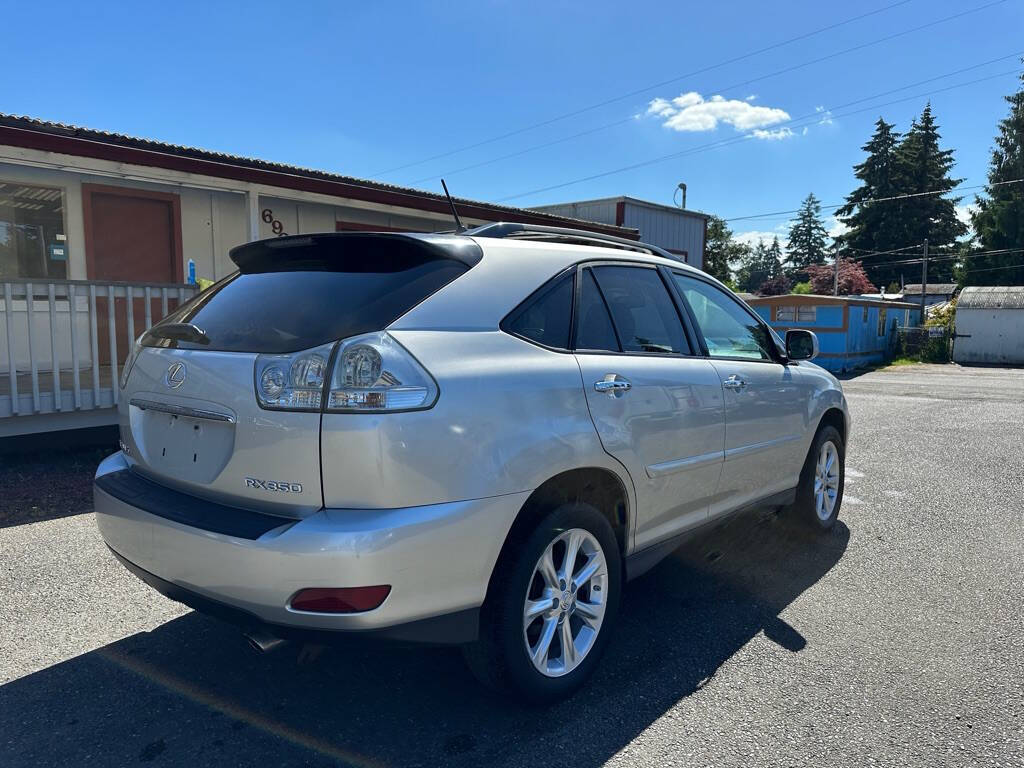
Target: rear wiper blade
(180,332)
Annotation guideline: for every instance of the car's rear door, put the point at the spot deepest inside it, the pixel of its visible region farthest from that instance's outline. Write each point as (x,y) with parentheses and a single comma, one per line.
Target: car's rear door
(766,408)
(657,407)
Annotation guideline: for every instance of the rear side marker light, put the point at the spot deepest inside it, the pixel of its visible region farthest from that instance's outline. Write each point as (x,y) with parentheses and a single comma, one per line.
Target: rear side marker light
(340,599)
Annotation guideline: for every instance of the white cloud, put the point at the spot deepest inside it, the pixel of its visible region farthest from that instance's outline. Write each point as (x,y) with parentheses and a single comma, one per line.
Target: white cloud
(776,134)
(826,115)
(963,212)
(752,236)
(691,112)
(835,227)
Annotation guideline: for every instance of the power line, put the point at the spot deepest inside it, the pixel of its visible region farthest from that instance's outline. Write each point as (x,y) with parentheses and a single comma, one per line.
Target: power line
(631,119)
(951,257)
(746,136)
(884,199)
(993,269)
(663,83)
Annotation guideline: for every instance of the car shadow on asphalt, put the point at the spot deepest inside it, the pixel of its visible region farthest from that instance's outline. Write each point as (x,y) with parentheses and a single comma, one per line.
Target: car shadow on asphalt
(192,691)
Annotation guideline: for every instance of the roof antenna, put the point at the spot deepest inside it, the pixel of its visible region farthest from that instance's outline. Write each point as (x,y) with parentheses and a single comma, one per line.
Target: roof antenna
(459,229)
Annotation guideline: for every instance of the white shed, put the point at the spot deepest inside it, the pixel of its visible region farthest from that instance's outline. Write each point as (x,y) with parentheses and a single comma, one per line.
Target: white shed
(990,325)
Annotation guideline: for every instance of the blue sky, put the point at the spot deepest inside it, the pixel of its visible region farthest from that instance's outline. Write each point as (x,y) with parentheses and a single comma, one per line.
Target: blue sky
(364,88)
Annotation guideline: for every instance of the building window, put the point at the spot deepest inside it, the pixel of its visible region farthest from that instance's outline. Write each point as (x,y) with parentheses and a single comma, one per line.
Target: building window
(785,314)
(32,240)
(807,314)
(881,321)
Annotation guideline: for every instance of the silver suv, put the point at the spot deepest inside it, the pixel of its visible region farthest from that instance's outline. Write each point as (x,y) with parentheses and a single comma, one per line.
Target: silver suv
(472,438)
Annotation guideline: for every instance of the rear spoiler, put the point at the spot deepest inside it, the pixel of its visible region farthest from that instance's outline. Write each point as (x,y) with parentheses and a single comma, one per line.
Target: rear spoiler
(350,250)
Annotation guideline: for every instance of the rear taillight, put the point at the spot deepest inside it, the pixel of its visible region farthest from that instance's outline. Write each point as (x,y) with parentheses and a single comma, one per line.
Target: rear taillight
(374,373)
(340,599)
(294,381)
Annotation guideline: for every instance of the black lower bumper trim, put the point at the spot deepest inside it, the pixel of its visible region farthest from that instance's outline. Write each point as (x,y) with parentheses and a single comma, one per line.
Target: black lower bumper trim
(131,488)
(449,629)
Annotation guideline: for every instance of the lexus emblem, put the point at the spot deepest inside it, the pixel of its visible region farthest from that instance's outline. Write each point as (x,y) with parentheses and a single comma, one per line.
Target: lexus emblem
(175,375)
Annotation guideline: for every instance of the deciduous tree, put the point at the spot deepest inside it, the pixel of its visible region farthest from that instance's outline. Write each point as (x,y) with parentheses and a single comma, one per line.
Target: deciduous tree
(852,278)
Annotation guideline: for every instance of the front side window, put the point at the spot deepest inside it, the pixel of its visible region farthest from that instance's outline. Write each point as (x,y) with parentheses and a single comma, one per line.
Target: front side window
(727,328)
(546,318)
(645,318)
(32,240)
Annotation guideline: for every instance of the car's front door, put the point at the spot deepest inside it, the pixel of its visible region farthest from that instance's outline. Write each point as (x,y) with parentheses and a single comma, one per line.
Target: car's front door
(766,406)
(657,407)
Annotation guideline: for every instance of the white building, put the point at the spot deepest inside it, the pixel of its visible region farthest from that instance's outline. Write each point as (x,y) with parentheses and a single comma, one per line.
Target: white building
(97,231)
(677,230)
(990,325)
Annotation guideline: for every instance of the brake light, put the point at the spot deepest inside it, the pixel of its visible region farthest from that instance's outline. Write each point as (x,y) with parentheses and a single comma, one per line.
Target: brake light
(375,373)
(340,599)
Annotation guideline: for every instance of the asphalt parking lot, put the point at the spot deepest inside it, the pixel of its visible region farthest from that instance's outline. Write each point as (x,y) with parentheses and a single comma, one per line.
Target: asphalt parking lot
(897,639)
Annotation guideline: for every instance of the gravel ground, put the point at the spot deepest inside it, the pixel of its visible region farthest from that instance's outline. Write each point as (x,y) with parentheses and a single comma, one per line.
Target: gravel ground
(894,640)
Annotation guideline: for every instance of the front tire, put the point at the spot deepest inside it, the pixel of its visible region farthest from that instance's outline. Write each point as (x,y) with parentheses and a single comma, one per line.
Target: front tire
(820,494)
(551,606)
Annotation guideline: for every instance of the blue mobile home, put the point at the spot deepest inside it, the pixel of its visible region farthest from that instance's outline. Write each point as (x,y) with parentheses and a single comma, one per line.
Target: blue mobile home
(852,332)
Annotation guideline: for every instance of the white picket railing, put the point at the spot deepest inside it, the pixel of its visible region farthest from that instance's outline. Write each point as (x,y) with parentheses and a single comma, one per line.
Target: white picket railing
(63,342)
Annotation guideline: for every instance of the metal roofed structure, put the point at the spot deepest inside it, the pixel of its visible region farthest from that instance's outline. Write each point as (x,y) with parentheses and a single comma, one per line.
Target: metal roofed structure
(990,325)
(992,297)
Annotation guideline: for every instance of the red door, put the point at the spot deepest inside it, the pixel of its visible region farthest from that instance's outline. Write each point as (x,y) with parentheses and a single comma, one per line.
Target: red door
(131,236)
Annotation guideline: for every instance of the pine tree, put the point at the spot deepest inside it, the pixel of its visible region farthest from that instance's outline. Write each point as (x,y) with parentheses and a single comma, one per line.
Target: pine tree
(874,227)
(807,237)
(999,218)
(773,259)
(763,262)
(923,167)
(721,251)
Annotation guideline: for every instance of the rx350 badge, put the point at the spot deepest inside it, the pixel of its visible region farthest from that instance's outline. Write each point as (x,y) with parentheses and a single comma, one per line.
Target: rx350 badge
(273,486)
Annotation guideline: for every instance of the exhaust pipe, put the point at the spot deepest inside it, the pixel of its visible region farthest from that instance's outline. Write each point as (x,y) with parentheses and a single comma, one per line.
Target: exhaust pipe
(262,642)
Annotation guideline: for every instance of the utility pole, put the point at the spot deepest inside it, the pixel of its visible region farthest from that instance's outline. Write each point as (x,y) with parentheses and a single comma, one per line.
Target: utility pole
(924,279)
(835,277)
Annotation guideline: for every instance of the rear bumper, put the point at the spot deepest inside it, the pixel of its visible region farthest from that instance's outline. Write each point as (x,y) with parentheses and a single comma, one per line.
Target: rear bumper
(438,560)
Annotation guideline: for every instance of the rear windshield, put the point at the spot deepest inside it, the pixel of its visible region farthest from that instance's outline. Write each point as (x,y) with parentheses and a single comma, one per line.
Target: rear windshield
(312,301)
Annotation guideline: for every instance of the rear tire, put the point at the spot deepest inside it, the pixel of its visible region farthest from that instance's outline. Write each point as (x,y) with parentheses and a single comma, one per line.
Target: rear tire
(820,493)
(542,633)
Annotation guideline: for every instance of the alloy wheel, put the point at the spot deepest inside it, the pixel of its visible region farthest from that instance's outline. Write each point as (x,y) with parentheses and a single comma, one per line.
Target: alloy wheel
(826,480)
(565,602)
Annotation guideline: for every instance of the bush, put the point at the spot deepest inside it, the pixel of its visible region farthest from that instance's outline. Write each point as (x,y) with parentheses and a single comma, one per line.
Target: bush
(804,287)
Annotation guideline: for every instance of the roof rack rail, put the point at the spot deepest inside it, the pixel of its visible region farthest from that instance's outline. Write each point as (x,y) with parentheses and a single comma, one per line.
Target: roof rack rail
(511,229)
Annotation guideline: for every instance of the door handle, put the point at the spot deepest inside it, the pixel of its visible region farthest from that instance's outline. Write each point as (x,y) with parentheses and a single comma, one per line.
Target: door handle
(734,382)
(613,385)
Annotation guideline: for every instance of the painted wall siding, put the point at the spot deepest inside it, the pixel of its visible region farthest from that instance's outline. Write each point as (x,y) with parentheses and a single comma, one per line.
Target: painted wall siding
(993,336)
(859,344)
(670,230)
(598,210)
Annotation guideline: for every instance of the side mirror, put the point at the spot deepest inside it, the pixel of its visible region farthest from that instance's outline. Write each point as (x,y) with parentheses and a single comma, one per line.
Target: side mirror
(801,345)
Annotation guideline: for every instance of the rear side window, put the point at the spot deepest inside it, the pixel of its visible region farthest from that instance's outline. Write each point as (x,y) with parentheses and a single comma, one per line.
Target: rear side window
(644,314)
(594,329)
(545,319)
(330,292)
